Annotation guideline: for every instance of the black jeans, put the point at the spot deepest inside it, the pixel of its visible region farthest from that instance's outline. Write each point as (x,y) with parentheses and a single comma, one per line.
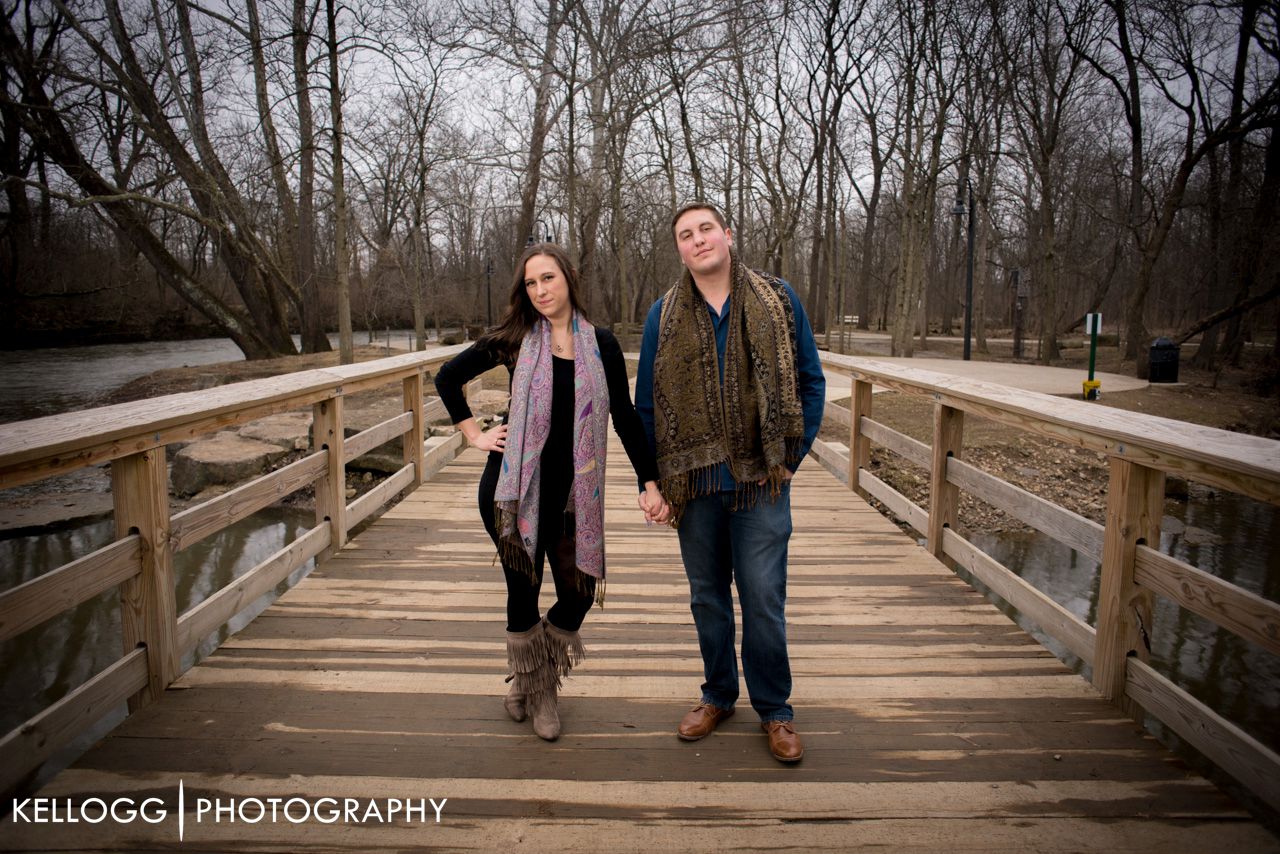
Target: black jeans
(556,544)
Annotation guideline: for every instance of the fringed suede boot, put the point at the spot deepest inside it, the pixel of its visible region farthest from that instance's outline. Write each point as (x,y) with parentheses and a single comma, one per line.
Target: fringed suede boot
(527,654)
(565,647)
(564,651)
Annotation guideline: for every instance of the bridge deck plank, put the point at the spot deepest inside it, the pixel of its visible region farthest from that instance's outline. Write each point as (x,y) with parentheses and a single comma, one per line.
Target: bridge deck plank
(930,719)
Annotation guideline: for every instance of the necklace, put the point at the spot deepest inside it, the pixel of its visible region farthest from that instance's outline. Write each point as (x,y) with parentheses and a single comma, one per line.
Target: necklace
(559,348)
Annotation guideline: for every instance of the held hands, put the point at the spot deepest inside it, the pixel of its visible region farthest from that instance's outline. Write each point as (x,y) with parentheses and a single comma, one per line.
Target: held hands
(655,507)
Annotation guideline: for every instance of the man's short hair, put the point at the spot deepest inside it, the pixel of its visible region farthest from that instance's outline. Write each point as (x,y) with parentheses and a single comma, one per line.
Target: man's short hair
(698,206)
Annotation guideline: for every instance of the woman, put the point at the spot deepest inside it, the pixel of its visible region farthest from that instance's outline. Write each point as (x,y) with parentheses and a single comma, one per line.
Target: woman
(542,491)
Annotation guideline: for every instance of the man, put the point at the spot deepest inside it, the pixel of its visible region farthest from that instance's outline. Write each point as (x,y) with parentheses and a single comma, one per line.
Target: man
(731,393)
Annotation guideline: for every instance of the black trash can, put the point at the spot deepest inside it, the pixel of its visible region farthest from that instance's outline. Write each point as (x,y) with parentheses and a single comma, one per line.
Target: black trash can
(1163,361)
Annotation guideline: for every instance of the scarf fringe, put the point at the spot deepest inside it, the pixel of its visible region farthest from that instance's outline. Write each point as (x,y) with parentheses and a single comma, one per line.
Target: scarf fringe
(513,556)
(680,489)
(588,586)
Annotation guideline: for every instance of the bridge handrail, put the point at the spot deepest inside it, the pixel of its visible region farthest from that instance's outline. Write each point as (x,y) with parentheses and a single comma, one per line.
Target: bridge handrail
(42,447)
(1237,462)
(1141,449)
(139,562)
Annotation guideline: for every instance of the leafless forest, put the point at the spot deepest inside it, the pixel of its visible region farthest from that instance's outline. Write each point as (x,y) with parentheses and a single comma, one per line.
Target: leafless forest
(256,167)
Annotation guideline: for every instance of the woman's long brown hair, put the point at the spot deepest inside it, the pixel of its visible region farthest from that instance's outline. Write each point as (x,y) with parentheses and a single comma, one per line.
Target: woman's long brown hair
(507,336)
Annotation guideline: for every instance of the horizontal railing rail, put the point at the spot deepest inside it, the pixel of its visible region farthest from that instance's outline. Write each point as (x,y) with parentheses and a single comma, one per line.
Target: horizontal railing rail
(1141,450)
(139,562)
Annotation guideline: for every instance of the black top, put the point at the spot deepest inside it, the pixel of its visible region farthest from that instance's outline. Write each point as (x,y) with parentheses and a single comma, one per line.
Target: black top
(557,453)
(478,358)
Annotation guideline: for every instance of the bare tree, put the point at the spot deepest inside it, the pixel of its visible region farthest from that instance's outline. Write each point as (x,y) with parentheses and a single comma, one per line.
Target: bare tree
(831,72)
(881,126)
(341,261)
(925,95)
(1034,43)
(1173,51)
(258,325)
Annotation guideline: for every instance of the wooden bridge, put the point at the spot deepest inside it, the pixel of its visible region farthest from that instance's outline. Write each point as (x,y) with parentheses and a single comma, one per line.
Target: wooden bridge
(930,719)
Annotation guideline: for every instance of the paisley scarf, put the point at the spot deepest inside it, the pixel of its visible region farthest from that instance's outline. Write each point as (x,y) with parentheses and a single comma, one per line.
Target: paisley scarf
(754,420)
(520,481)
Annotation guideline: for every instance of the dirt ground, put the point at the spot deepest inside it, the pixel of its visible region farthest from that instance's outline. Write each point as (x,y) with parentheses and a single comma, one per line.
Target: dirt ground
(1239,399)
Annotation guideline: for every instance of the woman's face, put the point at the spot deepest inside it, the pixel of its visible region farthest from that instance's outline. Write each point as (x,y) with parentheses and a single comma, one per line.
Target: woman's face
(547,288)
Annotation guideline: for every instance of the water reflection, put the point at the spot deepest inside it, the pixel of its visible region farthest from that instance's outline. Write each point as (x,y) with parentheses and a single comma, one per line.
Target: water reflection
(40,666)
(1227,535)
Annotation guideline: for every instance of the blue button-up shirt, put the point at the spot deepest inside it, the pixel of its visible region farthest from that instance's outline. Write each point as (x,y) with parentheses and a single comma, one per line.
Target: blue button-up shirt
(812,384)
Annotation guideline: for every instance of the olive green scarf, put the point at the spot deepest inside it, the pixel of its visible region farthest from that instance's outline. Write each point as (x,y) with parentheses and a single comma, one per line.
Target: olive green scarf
(755,423)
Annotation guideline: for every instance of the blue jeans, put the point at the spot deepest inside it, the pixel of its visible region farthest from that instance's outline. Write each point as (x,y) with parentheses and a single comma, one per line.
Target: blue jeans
(748,546)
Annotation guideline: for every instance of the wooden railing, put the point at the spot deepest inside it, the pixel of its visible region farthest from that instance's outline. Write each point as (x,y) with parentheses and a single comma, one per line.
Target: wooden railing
(1141,450)
(139,562)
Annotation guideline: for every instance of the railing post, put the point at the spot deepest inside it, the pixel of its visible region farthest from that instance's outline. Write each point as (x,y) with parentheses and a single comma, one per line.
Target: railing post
(944,497)
(415,437)
(148,610)
(1135,504)
(859,444)
(331,487)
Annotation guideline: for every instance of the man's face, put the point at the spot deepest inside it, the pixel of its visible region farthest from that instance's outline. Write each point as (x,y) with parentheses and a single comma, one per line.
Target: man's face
(703,243)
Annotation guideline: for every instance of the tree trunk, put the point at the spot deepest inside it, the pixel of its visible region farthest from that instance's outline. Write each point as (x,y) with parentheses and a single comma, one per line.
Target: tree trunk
(275,160)
(1242,236)
(1214,296)
(594,192)
(416,285)
(538,131)
(981,267)
(818,244)
(314,339)
(346,346)
(1047,275)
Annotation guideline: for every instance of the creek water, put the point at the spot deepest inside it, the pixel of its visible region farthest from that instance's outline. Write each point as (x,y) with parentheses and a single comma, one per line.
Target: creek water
(41,382)
(1221,533)
(40,666)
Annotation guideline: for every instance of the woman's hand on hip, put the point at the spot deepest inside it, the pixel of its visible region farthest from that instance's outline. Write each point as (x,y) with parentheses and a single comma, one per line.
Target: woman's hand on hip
(493,439)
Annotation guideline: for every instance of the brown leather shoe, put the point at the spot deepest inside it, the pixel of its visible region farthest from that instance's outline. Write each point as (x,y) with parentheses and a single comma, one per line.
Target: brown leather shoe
(784,743)
(701,721)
